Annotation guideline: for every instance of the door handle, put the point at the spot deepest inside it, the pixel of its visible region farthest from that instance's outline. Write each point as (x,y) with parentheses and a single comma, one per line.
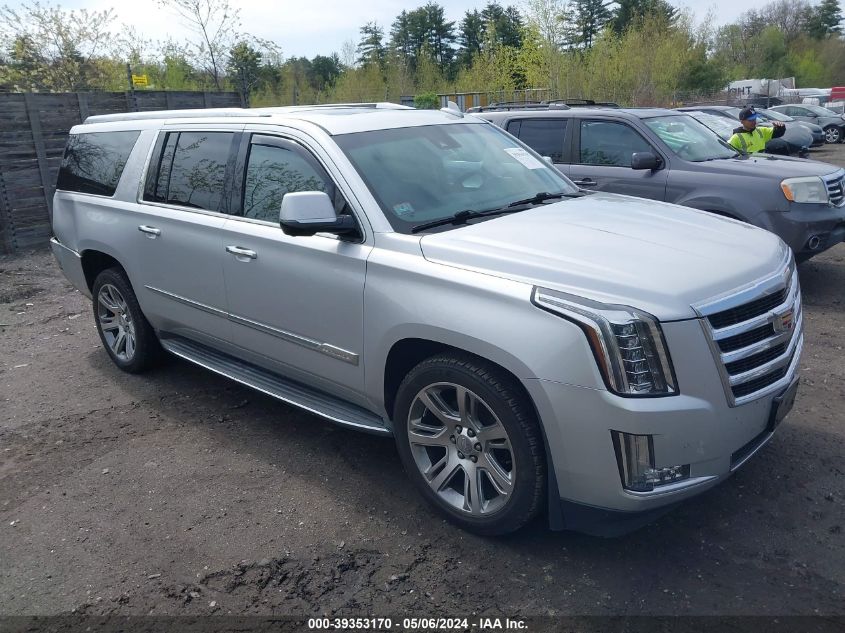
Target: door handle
(151,231)
(239,252)
(586,182)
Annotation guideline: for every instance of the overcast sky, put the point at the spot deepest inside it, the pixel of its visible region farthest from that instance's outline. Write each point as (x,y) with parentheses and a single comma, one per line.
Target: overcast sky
(312,27)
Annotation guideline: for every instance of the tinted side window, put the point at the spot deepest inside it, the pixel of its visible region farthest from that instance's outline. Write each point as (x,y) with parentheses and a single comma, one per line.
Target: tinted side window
(609,143)
(189,169)
(199,169)
(544,136)
(93,162)
(273,171)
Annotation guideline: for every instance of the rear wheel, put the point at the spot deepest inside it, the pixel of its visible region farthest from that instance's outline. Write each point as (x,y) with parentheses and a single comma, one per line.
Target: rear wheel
(469,440)
(124,330)
(832,134)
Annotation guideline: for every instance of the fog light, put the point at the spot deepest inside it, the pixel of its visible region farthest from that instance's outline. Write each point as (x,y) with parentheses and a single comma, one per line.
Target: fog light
(635,457)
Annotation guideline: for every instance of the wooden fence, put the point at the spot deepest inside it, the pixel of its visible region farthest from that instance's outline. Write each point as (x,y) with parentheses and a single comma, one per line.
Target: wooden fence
(33,131)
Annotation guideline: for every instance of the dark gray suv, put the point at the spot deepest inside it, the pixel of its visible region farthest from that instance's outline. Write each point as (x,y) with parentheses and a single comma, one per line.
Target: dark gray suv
(668,155)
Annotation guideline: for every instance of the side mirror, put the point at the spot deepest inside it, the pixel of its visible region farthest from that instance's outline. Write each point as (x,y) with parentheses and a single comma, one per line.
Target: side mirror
(644,160)
(310,212)
(549,160)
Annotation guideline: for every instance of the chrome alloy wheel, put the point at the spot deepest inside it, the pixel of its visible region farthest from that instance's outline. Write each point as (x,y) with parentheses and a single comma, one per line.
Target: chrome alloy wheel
(115,321)
(461,448)
(832,134)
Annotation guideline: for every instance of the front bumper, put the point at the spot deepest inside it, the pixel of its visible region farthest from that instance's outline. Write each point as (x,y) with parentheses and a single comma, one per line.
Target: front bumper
(809,229)
(696,427)
(71,264)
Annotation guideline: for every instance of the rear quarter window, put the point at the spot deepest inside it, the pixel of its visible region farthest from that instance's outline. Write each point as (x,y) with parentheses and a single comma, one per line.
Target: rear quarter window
(93,162)
(544,136)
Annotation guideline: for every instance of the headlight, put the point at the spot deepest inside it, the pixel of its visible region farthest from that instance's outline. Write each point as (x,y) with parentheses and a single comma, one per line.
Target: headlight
(628,344)
(807,189)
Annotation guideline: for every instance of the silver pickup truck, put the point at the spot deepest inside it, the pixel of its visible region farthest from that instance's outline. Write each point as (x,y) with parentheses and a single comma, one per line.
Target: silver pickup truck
(531,347)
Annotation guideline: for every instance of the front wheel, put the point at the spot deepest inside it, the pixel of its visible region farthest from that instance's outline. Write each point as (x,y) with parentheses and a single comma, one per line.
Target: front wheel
(470,442)
(832,134)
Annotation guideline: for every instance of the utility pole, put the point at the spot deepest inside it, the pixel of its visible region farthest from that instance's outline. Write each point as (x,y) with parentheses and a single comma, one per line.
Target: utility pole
(134,104)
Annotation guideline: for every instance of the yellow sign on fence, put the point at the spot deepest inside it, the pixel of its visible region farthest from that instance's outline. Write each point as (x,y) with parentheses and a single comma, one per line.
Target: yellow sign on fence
(139,80)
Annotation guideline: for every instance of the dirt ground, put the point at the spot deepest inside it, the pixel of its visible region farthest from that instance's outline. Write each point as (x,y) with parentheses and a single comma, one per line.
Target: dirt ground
(179,492)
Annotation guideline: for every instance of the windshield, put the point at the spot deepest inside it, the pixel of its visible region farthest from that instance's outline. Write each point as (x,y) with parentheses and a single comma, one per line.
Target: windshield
(719,124)
(690,139)
(426,173)
(774,115)
(820,111)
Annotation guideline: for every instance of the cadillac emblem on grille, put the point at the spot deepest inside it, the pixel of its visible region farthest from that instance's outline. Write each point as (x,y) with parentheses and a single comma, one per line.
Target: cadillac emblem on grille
(784,322)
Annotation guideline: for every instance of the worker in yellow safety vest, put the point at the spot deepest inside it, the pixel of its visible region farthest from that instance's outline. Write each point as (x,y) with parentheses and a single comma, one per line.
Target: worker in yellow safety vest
(748,138)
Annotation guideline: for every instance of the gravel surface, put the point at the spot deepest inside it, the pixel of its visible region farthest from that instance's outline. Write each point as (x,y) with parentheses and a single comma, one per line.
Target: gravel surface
(179,492)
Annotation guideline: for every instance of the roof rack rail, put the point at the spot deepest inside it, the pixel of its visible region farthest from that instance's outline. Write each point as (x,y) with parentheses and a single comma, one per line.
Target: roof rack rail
(586,103)
(518,105)
(232,112)
(170,114)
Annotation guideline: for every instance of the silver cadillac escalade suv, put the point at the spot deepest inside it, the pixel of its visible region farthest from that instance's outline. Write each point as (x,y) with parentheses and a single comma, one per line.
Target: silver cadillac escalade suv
(530,346)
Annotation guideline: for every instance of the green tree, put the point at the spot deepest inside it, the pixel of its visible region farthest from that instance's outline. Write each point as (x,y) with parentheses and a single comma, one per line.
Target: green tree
(216,28)
(440,35)
(631,12)
(590,18)
(423,29)
(825,20)
(426,101)
(324,71)
(56,47)
(504,25)
(244,67)
(470,36)
(371,49)
(549,19)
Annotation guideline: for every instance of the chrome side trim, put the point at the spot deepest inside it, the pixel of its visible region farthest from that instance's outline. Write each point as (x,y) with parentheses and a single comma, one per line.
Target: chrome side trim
(672,488)
(340,354)
(316,346)
(296,339)
(189,302)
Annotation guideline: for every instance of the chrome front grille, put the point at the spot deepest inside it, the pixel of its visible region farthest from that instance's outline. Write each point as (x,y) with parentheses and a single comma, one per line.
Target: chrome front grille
(836,188)
(756,335)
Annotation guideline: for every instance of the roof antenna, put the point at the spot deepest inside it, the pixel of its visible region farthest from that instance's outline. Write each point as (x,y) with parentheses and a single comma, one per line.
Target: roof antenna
(452,108)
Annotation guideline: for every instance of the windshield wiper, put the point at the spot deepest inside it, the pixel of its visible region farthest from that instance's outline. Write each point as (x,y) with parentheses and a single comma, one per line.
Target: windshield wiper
(543,196)
(461,217)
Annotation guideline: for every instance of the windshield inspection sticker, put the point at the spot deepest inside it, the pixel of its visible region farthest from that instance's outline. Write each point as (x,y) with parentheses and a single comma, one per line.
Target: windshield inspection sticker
(524,157)
(403,209)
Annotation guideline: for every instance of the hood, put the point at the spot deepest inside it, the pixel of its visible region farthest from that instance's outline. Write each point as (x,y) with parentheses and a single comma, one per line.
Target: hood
(768,166)
(657,257)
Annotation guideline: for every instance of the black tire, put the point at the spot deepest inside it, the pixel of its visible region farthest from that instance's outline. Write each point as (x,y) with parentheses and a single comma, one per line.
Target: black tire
(504,398)
(146,351)
(833,134)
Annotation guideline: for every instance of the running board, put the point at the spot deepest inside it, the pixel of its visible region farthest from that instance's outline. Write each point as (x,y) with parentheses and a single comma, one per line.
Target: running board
(296,394)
